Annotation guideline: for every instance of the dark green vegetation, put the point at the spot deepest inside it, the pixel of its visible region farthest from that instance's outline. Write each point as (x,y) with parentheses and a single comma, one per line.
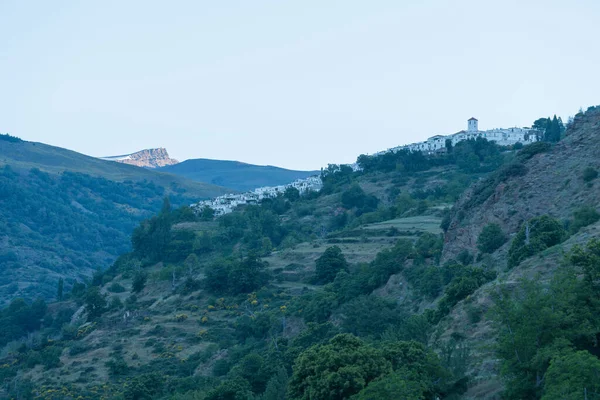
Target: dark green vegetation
(370,289)
(63,214)
(234,174)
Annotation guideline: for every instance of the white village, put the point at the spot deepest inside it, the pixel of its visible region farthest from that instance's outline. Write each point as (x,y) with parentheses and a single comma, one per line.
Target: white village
(435,144)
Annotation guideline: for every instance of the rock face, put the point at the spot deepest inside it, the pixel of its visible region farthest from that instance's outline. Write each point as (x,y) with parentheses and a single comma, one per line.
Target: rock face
(551,184)
(149,158)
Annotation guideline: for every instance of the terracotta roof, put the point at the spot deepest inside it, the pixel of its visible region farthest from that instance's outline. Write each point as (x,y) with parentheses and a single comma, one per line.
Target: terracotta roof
(472,118)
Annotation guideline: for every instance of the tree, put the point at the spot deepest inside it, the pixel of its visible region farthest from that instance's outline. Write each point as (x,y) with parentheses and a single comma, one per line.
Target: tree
(491,238)
(60,289)
(589,174)
(207,214)
(336,370)
(95,302)
(248,275)
(393,386)
(277,386)
(449,147)
(573,376)
(139,281)
(291,193)
(329,264)
(583,216)
(535,235)
(233,389)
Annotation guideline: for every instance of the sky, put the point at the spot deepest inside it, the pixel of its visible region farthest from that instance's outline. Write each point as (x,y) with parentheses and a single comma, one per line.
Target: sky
(297,84)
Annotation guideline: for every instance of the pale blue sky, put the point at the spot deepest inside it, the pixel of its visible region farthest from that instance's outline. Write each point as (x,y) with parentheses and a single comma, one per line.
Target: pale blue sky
(291,83)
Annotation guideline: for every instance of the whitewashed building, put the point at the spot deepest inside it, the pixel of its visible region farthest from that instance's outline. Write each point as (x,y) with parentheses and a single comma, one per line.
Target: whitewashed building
(502,136)
(229,202)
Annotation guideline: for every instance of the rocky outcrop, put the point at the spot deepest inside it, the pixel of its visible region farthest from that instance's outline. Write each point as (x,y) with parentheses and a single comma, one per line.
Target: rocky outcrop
(551,183)
(149,158)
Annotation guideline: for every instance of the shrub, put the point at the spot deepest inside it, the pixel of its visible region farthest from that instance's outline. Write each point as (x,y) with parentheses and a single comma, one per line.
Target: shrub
(491,238)
(329,264)
(589,174)
(116,288)
(583,216)
(535,235)
(532,149)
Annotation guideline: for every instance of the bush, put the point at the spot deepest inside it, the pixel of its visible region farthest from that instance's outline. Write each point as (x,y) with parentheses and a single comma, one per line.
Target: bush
(329,264)
(532,149)
(491,238)
(116,288)
(589,174)
(535,235)
(583,216)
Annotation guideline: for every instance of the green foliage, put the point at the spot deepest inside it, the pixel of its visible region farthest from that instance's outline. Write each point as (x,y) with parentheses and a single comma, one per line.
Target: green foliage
(292,194)
(356,198)
(573,376)
(369,316)
(95,302)
(336,370)
(117,367)
(19,318)
(539,326)
(582,217)
(532,149)
(139,281)
(11,139)
(329,264)
(491,238)
(464,283)
(535,235)
(144,387)
(60,289)
(429,246)
(393,386)
(235,389)
(589,174)
(235,276)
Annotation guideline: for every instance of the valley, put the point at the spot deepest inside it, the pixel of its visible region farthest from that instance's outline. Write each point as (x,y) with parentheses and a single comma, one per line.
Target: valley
(432,275)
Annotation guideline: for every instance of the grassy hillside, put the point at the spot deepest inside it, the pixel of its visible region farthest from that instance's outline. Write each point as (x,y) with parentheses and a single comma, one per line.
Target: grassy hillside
(63,214)
(234,174)
(407,279)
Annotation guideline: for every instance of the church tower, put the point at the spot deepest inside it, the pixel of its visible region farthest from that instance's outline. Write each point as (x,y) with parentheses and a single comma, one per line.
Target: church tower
(472,125)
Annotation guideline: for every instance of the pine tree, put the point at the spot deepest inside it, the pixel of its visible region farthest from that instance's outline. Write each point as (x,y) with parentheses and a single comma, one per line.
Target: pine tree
(59,291)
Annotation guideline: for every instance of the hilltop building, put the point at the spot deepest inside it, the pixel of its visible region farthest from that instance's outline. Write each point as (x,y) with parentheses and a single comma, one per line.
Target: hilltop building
(227,203)
(502,136)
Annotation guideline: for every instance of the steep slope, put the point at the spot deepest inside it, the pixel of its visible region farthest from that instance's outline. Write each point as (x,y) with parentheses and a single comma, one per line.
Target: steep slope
(234,174)
(555,182)
(64,214)
(550,182)
(148,158)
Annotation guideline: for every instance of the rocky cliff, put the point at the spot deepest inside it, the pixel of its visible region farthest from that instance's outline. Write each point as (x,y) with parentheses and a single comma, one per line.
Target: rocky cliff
(149,158)
(549,182)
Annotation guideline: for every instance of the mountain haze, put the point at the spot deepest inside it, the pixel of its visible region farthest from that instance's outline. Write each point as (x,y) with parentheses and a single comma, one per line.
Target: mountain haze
(234,174)
(64,214)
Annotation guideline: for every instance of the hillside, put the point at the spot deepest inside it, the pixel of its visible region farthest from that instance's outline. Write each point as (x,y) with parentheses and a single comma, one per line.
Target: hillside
(466,275)
(234,174)
(64,214)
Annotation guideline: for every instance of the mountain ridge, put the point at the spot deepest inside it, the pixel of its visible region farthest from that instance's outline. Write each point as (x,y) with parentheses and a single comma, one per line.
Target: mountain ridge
(237,175)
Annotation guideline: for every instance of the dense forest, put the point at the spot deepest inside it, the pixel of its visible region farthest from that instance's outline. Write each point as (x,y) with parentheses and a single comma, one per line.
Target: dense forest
(69,224)
(358,291)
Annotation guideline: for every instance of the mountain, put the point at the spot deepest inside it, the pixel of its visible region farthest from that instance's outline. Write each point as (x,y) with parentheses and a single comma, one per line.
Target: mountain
(149,158)
(64,214)
(234,174)
(470,274)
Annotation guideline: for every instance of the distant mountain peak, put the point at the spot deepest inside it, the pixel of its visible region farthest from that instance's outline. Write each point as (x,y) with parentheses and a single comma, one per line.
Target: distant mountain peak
(148,158)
